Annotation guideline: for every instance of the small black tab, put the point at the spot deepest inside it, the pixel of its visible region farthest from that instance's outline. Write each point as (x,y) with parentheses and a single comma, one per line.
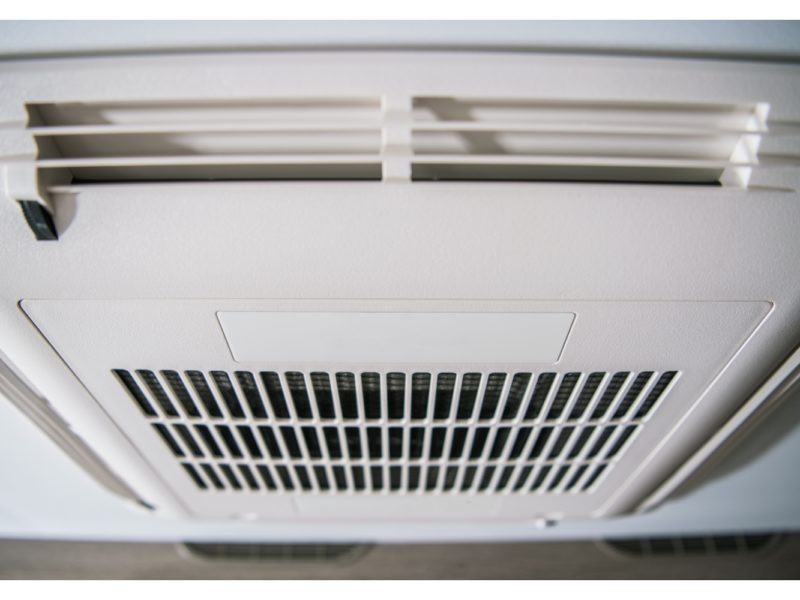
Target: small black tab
(39,220)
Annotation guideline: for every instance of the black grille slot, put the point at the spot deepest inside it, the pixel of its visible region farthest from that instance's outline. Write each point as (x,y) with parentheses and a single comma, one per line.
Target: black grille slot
(346,384)
(586,395)
(297,388)
(395,442)
(368,432)
(312,443)
(272,383)
(654,395)
(211,474)
(188,440)
(445,386)
(290,441)
(620,441)
(248,477)
(632,394)
(437,442)
(374,442)
(230,441)
(432,478)
(175,383)
(286,479)
(543,385)
(209,441)
(561,441)
(225,388)
(563,395)
(302,477)
(601,441)
(332,442)
(413,478)
(250,390)
(135,392)
(198,481)
(353,437)
(168,439)
(230,476)
(469,393)
(499,444)
(249,441)
(542,436)
(322,392)
(271,442)
(377,478)
(420,391)
(581,441)
(611,391)
(152,383)
(519,442)
(416,442)
(516,394)
(200,386)
(478,442)
(491,397)
(395,395)
(266,477)
(371,388)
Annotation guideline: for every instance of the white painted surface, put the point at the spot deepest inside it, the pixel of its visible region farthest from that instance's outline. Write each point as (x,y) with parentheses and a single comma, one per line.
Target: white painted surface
(46,495)
(710,37)
(285,337)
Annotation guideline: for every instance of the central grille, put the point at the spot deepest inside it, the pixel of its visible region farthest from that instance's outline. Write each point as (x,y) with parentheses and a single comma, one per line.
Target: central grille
(396,432)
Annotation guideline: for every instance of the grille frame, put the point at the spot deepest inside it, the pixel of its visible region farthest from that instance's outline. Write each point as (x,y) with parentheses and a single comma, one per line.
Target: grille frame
(189,330)
(249,447)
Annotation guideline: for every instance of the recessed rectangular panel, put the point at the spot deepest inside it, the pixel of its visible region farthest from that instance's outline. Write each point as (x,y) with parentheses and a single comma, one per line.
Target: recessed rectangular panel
(395,337)
(487,436)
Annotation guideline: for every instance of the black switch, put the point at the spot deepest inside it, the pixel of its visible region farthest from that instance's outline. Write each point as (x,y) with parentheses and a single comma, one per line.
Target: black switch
(39,220)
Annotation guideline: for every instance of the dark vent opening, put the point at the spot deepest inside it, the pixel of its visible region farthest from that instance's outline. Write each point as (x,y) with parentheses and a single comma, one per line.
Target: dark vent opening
(445,386)
(710,545)
(420,391)
(152,383)
(371,388)
(540,392)
(250,389)
(469,393)
(225,388)
(491,397)
(200,386)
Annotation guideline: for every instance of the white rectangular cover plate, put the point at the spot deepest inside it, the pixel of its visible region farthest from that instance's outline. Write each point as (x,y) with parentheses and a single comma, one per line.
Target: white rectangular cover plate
(395,337)
(157,339)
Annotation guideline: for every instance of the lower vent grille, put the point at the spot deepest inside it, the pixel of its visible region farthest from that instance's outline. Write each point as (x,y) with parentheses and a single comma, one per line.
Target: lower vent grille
(711,545)
(396,432)
(279,552)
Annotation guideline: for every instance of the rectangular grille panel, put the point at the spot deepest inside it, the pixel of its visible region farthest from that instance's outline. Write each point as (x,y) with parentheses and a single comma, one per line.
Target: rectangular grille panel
(395,432)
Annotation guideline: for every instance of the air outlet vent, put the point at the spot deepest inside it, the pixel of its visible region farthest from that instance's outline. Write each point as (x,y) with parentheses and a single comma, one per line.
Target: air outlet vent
(711,545)
(300,138)
(565,140)
(396,432)
(421,138)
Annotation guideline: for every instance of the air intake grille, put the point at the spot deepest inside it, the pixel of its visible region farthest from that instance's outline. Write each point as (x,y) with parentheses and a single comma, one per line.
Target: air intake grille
(395,432)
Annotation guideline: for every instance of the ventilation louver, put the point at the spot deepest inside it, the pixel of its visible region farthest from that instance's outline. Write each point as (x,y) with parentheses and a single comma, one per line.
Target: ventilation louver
(422,138)
(396,432)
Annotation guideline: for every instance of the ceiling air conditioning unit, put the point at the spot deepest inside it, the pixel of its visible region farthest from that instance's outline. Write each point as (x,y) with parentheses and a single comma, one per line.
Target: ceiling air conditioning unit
(397,285)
